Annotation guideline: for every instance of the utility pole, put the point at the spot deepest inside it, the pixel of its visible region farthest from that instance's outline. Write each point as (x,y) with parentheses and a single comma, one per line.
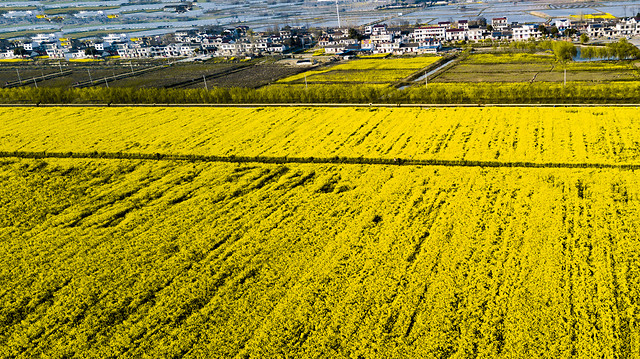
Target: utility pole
(90,79)
(204,78)
(338,13)
(60,65)
(19,79)
(35,82)
(131,64)
(106,82)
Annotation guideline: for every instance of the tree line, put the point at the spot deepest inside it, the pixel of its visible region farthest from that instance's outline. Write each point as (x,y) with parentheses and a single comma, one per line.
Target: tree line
(565,50)
(621,50)
(433,93)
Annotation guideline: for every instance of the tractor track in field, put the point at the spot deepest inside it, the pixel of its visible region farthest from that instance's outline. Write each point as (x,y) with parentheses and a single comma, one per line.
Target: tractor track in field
(311,160)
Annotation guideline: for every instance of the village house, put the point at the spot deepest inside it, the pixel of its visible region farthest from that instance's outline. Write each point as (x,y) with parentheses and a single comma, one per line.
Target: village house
(378,38)
(526,32)
(455,34)
(429,47)
(429,32)
(499,23)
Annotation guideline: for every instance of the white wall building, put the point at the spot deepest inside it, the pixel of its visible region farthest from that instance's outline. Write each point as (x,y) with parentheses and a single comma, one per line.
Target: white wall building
(456,35)
(40,38)
(54,51)
(375,29)
(376,39)
(387,47)
(429,32)
(595,30)
(626,28)
(476,34)
(499,23)
(8,54)
(562,24)
(111,38)
(526,32)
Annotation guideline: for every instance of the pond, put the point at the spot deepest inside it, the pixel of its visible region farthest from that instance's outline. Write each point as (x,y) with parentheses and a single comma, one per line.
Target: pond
(579,58)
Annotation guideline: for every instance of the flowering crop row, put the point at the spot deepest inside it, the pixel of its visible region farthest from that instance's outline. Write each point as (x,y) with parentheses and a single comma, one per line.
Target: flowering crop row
(508,58)
(366,70)
(120,258)
(569,135)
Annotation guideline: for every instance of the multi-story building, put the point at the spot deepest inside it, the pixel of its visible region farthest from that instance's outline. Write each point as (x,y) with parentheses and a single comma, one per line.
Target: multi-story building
(54,51)
(477,34)
(526,32)
(499,23)
(112,38)
(429,32)
(456,34)
(563,24)
(375,29)
(595,30)
(40,38)
(626,28)
(429,47)
(387,47)
(380,38)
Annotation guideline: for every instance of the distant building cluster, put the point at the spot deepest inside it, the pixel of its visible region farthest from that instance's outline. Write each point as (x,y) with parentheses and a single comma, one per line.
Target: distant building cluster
(376,39)
(429,39)
(238,41)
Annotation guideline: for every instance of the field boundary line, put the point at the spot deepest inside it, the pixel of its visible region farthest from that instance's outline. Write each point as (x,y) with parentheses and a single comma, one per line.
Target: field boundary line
(328,105)
(310,160)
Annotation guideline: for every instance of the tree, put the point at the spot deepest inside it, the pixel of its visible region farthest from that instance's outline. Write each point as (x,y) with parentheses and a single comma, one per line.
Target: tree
(91,51)
(481,21)
(20,51)
(623,49)
(354,34)
(570,32)
(543,29)
(587,52)
(489,27)
(584,38)
(564,51)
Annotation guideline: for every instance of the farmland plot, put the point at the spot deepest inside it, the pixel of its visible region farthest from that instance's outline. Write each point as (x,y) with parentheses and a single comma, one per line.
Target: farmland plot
(146,258)
(375,71)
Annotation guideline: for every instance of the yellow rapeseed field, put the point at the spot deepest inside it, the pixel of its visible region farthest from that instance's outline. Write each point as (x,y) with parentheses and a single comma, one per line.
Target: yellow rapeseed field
(197,259)
(366,70)
(577,135)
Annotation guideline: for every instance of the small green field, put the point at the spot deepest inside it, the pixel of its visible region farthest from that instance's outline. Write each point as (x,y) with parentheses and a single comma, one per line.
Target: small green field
(9,73)
(96,33)
(75,9)
(17,8)
(141,11)
(175,74)
(25,33)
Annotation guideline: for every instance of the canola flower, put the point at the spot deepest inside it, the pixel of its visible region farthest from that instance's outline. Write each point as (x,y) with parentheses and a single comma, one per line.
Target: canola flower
(366,70)
(133,258)
(143,258)
(607,135)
